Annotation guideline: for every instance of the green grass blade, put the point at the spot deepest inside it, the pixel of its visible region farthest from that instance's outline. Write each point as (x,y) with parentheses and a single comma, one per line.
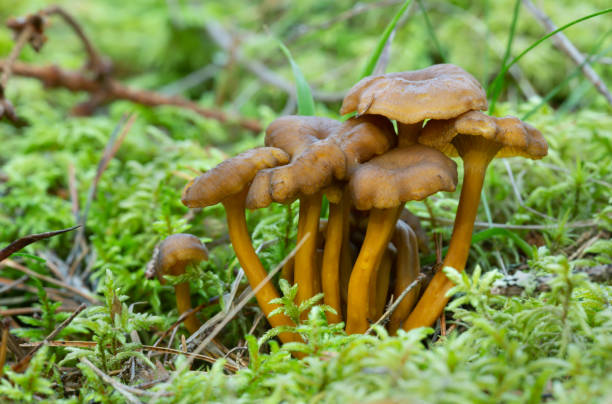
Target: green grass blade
(496,91)
(500,76)
(431,31)
(577,70)
(305,101)
(371,64)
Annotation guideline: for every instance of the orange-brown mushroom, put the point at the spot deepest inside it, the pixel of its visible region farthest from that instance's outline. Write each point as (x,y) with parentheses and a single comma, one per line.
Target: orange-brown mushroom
(441,91)
(228,184)
(383,185)
(171,257)
(477,138)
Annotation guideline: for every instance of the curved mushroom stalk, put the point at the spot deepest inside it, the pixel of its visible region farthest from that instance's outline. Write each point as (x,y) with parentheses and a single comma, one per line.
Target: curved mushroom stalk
(477,138)
(330,268)
(383,279)
(476,153)
(253,269)
(306,273)
(183,304)
(407,269)
(171,257)
(362,294)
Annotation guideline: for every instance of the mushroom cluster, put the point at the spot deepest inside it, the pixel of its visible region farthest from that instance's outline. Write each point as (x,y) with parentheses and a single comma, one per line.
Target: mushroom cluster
(367,251)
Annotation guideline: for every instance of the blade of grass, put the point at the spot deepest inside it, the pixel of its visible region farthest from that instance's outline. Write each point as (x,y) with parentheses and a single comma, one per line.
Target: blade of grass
(498,88)
(371,64)
(487,234)
(305,101)
(577,70)
(431,32)
(502,73)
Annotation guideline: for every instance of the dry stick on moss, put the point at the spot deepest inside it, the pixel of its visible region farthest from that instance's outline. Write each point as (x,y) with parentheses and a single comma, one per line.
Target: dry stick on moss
(23,363)
(27,240)
(12,264)
(126,391)
(567,47)
(92,344)
(397,302)
(79,249)
(54,77)
(485,225)
(3,346)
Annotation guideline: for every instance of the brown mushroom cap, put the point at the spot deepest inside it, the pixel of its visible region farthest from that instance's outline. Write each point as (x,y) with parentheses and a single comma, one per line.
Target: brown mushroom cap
(437,92)
(516,137)
(362,138)
(173,252)
(333,157)
(400,175)
(307,174)
(231,176)
(295,133)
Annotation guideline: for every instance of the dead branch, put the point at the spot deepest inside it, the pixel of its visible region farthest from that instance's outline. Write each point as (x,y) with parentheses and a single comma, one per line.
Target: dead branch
(55,77)
(566,46)
(27,240)
(23,363)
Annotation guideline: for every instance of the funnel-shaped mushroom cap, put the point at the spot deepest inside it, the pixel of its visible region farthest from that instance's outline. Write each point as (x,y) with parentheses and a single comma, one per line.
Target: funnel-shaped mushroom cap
(364,137)
(400,175)
(311,171)
(259,195)
(295,133)
(231,176)
(437,92)
(516,138)
(353,142)
(173,253)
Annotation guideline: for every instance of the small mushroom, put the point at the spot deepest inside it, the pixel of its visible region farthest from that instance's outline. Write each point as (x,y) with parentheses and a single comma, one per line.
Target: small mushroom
(477,138)
(383,185)
(171,257)
(228,184)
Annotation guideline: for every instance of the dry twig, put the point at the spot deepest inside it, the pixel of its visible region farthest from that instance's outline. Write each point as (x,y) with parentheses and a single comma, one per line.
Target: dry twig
(566,46)
(27,240)
(23,363)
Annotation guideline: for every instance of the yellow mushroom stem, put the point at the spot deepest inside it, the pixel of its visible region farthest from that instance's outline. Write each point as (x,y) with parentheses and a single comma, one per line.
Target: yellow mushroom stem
(383,280)
(362,285)
(408,267)
(287,271)
(183,304)
(330,269)
(253,269)
(476,153)
(306,270)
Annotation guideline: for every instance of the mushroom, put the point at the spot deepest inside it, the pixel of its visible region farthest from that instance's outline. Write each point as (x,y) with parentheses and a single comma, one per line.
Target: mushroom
(228,183)
(407,268)
(441,91)
(171,257)
(359,139)
(477,138)
(383,185)
(297,135)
